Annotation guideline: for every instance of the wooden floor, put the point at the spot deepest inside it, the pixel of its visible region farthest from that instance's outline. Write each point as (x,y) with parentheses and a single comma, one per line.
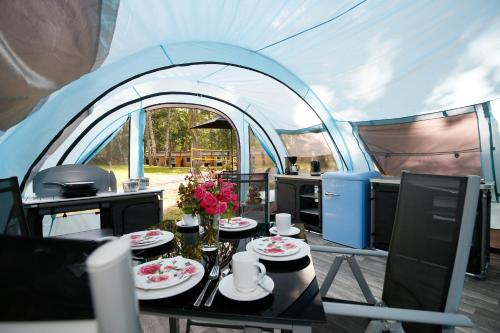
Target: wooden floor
(480,299)
(495,239)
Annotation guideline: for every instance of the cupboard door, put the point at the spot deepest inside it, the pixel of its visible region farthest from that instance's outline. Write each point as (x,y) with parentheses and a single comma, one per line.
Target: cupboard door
(286,198)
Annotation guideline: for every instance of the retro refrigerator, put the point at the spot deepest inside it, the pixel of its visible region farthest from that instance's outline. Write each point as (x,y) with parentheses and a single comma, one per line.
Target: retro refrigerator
(346,207)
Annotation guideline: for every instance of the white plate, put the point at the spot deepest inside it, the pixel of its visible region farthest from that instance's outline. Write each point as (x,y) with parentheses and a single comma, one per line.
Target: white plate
(304,250)
(249,226)
(143,237)
(165,237)
(174,270)
(275,246)
(174,290)
(291,232)
(235,223)
(226,288)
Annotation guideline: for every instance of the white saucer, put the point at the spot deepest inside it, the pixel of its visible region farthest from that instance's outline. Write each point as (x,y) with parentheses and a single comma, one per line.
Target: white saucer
(173,290)
(291,232)
(304,251)
(226,288)
(249,226)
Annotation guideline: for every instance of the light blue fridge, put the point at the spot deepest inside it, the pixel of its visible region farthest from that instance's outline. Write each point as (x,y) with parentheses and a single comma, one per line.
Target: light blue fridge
(346,207)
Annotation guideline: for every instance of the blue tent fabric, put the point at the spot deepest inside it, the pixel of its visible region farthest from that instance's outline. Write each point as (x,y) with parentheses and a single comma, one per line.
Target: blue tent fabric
(288,65)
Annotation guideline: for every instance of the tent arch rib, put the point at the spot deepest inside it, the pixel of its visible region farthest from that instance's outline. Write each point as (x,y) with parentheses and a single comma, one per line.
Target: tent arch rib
(253,62)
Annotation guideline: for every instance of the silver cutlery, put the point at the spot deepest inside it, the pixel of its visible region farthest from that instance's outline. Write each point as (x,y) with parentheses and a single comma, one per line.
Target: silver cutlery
(214,273)
(210,299)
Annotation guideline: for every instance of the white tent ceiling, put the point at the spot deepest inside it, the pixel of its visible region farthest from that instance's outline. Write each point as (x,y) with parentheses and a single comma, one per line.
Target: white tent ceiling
(291,63)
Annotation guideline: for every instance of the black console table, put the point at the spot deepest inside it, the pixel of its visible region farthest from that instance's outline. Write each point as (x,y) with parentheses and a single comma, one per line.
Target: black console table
(300,196)
(385,192)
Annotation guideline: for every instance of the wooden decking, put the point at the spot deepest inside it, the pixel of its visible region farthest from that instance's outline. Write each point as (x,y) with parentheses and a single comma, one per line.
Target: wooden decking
(480,299)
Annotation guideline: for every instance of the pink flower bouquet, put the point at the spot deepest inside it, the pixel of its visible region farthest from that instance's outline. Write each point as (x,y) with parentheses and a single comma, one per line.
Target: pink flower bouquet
(216,197)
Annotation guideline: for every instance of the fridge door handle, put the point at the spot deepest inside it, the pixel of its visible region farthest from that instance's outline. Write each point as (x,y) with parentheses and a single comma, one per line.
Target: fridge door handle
(331,194)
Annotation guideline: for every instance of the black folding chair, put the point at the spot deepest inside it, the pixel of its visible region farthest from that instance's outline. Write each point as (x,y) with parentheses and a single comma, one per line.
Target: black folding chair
(253,190)
(426,261)
(12,219)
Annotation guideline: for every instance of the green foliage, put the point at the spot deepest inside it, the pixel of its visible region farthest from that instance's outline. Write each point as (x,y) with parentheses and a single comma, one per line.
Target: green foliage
(179,121)
(116,152)
(187,203)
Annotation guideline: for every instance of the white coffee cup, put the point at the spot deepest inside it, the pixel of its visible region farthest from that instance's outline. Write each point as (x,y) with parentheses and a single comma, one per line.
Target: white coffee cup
(247,271)
(283,223)
(190,220)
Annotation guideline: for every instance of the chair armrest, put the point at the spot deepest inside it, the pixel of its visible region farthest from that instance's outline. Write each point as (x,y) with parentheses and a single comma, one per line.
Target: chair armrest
(347,250)
(403,315)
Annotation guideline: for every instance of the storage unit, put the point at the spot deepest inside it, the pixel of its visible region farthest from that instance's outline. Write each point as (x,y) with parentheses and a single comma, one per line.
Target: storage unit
(385,192)
(300,196)
(346,207)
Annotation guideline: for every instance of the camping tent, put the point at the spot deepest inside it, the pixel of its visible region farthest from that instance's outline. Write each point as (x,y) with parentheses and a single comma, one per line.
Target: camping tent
(335,72)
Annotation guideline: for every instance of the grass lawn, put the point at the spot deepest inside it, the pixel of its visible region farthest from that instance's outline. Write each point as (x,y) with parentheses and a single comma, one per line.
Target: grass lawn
(121,171)
(165,170)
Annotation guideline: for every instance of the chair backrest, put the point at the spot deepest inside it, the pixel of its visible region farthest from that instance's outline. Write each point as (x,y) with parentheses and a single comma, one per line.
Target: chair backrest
(44,279)
(113,288)
(12,219)
(45,181)
(430,243)
(253,189)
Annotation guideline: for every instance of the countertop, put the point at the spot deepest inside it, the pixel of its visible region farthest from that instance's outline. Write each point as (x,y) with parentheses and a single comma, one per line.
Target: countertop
(303,176)
(396,180)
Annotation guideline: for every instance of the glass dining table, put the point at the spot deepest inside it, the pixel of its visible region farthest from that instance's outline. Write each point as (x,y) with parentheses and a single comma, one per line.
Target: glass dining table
(294,304)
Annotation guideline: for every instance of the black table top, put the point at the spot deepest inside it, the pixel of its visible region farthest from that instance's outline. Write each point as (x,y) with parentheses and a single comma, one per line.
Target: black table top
(51,284)
(295,297)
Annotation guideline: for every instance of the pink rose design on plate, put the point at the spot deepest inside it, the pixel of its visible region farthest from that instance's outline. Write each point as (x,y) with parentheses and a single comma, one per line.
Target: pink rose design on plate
(153,233)
(244,222)
(189,269)
(276,238)
(274,250)
(135,236)
(289,246)
(158,278)
(149,269)
(168,267)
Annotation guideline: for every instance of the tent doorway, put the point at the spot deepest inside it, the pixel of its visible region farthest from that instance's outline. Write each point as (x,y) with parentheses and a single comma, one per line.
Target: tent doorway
(181,140)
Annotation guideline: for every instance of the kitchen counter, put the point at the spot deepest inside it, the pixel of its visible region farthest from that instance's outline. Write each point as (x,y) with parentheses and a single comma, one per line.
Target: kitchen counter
(301,176)
(488,185)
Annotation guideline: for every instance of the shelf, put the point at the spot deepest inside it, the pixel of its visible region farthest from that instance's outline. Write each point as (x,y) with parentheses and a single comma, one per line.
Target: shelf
(310,195)
(312,211)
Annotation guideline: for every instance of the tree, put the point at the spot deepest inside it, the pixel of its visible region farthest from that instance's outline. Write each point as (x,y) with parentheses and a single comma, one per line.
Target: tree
(152,141)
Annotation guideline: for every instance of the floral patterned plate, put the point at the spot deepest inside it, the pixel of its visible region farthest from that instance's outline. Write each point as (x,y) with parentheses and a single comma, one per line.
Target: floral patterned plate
(148,238)
(276,246)
(144,237)
(164,273)
(235,223)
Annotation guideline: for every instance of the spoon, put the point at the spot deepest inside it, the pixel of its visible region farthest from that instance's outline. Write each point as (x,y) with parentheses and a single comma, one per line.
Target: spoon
(210,298)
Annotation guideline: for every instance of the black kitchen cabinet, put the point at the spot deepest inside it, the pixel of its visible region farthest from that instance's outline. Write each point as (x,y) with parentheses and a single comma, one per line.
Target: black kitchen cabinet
(300,196)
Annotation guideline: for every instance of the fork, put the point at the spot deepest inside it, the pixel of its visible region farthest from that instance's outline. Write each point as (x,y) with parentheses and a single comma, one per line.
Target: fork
(214,273)
(210,299)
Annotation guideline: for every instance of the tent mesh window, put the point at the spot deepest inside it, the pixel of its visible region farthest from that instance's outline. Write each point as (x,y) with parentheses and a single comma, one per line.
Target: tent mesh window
(114,155)
(309,146)
(434,146)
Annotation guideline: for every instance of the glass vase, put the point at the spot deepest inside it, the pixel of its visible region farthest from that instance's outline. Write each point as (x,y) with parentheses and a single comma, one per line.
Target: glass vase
(209,231)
